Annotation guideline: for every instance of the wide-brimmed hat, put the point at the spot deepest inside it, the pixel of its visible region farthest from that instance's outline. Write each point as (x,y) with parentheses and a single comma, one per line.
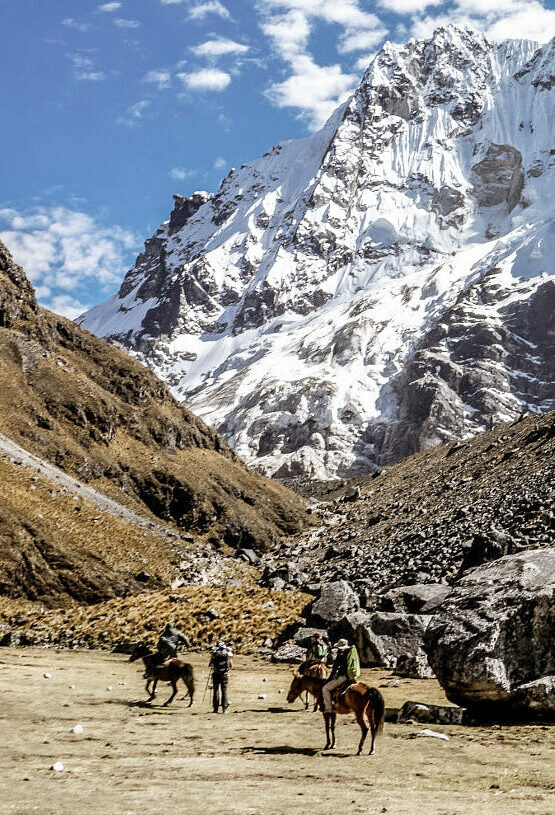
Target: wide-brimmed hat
(342,644)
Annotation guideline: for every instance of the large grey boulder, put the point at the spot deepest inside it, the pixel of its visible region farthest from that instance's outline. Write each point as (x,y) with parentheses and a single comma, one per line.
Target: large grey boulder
(491,642)
(414,599)
(382,637)
(336,601)
(289,652)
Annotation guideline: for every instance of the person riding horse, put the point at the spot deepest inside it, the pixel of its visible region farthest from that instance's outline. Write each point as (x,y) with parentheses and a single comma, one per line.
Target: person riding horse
(316,652)
(169,640)
(346,667)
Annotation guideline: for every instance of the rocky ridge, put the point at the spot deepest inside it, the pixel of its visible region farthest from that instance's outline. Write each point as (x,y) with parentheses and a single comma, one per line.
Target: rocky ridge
(376,289)
(90,411)
(428,518)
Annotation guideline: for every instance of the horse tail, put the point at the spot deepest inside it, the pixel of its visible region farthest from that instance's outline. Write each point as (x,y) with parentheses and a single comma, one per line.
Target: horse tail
(189,680)
(376,703)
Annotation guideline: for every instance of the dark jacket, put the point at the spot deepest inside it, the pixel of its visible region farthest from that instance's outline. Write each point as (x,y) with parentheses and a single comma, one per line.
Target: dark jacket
(340,664)
(169,640)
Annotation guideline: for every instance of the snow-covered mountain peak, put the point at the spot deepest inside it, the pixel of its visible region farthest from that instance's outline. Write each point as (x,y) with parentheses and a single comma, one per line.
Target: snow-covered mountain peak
(353,296)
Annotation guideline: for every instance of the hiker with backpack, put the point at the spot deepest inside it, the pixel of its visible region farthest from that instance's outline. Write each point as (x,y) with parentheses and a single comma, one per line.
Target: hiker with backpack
(221,663)
(346,669)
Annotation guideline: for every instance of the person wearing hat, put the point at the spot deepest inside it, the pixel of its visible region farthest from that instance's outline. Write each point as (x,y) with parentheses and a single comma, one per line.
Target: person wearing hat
(169,640)
(339,673)
(221,663)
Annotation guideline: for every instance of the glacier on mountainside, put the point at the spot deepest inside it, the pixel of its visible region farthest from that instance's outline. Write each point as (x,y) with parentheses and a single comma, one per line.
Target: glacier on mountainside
(381,286)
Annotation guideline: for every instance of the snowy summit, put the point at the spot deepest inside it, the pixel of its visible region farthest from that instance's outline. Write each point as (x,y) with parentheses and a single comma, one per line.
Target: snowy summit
(379,287)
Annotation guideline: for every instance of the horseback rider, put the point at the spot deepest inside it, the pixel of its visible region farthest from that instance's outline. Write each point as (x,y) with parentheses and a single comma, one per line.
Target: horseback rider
(221,662)
(346,668)
(317,650)
(169,640)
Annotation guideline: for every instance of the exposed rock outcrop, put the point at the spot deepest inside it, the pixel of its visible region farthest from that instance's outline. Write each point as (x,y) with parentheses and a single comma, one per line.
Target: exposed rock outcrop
(492,641)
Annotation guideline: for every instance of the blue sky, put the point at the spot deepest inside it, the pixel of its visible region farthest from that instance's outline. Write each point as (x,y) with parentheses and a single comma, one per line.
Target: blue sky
(110,107)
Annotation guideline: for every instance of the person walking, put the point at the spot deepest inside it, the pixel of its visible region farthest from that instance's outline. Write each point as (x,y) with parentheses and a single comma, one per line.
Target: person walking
(221,662)
(346,667)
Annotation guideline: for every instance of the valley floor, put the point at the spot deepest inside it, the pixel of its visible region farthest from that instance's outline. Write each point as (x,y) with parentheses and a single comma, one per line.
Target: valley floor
(262,757)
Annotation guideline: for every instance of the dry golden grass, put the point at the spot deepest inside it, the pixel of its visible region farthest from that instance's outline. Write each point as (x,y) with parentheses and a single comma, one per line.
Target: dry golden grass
(82,528)
(248,616)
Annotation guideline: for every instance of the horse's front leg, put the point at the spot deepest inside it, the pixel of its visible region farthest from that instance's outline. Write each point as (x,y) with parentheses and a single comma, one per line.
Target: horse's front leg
(306,701)
(153,691)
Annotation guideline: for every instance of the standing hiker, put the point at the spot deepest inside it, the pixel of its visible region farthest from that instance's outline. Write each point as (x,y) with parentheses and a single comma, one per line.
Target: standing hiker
(221,663)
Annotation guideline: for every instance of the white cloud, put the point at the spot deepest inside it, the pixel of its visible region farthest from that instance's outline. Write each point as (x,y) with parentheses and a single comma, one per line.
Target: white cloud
(65,253)
(181,173)
(530,20)
(120,22)
(497,19)
(220,163)
(218,48)
(84,69)
(208,79)
(315,90)
(159,77)
(202,10)
(66,305)
(360,40)
(133,115)
(90,76)
(411,6)
(71,23)
(363,62)
(109,7)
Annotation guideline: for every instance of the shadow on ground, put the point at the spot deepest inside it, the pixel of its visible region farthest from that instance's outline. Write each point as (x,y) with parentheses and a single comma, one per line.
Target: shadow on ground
(282,750)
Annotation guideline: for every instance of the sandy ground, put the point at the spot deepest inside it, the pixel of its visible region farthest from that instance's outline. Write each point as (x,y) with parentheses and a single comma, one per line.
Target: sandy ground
(263,756)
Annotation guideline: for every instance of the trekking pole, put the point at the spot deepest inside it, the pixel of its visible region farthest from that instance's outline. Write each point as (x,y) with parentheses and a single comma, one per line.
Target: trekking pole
(206,686)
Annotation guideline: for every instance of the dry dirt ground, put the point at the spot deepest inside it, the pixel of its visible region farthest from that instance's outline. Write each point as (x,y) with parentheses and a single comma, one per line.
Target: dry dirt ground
(264,756)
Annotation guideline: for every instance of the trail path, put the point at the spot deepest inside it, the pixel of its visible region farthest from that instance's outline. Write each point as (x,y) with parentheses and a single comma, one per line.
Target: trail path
(19,456)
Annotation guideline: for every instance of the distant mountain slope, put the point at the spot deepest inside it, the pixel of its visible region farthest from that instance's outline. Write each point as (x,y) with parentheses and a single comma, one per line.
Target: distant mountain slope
(99,415)
(416,521)
(378,288)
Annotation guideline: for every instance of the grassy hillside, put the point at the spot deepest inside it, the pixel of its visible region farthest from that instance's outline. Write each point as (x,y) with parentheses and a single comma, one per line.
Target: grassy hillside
(99,415)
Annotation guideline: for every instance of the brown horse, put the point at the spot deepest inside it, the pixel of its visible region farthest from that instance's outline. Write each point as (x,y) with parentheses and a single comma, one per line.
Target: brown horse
(170,671)
(317,670)
(362,700)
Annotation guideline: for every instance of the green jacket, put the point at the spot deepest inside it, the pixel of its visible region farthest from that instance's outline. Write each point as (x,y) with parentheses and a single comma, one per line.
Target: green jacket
(353,663)
(317,650)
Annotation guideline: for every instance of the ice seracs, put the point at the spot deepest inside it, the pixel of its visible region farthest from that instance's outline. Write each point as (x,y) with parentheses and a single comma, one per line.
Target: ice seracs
(378,287)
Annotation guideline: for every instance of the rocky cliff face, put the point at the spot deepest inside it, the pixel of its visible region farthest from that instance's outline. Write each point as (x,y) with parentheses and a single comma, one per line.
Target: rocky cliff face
(378,288)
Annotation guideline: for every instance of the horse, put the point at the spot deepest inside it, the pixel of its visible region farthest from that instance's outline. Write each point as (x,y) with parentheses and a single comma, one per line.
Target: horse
(319,671)
(359,698)
(169,671)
